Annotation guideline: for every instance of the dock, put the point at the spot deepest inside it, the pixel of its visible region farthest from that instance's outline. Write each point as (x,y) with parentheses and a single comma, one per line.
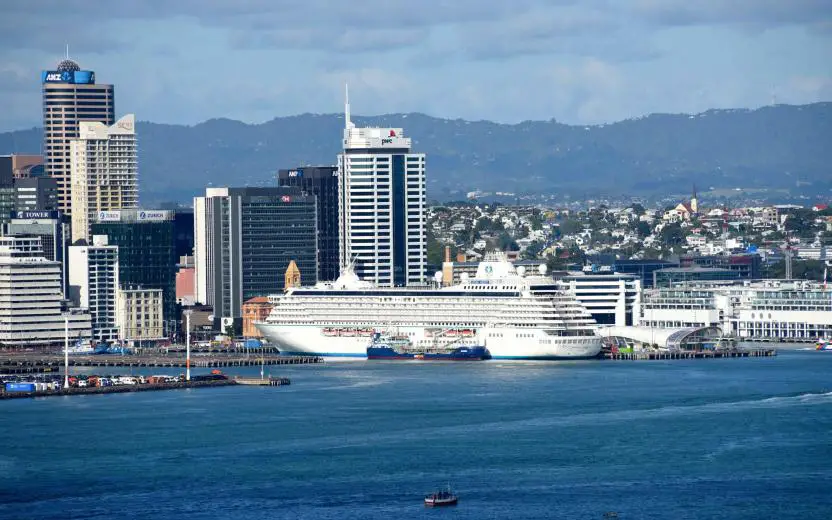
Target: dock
(95,390)
(693,354)
(269,381)
(37,363)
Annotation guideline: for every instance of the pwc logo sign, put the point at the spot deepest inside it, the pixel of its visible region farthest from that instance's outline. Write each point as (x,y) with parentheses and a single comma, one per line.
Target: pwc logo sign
(389,140)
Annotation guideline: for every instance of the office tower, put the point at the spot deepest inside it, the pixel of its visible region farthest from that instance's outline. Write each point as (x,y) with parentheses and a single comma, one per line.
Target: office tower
(30,298)
(139,314)
(53,230)
(93,281)
(70,96)
(6,190)
(20,166)
(244,239)
(321,181)
(382,206)
(35,194)
(104,172)
(183,232)
(17,166)
(146,256)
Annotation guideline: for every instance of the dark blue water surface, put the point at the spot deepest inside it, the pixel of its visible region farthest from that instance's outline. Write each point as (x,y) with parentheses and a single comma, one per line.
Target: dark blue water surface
(734,438)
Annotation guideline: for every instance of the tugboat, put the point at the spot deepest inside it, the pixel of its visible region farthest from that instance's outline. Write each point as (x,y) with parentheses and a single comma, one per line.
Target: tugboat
(387,346)
(441,498)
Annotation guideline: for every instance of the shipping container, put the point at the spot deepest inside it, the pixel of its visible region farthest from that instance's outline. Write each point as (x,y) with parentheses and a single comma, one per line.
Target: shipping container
(20,387)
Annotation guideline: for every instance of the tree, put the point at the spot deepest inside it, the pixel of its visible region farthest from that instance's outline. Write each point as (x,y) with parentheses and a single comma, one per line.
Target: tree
(533,251)
(672,235)
(643,229)
(570,227)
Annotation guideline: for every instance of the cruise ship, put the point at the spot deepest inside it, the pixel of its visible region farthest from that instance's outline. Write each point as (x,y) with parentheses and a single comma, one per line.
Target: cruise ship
(510,313)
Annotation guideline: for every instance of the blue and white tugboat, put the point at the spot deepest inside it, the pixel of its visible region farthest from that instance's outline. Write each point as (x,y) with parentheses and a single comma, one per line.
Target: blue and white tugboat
(393,346)
(441,498)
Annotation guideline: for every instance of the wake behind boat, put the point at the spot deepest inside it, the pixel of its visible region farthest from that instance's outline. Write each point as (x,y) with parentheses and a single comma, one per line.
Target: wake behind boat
(511,314)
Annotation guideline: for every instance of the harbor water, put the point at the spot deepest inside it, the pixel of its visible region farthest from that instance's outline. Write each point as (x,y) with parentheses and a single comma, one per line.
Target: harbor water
(682,439)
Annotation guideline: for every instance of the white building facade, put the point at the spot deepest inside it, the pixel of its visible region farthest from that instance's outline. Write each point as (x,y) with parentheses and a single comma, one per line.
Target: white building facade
(93,284)
(612,299)
(779,310)
(382,206)
(139,314)
(104,172)
(31,291)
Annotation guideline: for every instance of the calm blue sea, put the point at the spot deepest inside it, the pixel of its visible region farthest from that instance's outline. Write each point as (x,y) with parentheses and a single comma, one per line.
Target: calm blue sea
(713,439)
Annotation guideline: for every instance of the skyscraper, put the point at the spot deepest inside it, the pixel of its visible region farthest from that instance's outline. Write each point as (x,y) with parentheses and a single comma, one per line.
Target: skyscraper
(53,230)
(70,95)
(36,194)
(382,205)
(244,239)
(322,182)
(104,172)
(146,253)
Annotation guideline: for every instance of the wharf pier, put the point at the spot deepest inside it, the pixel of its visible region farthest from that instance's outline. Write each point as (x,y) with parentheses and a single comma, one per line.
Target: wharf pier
(35,363)
(693,354)
(271,381)
(148,387)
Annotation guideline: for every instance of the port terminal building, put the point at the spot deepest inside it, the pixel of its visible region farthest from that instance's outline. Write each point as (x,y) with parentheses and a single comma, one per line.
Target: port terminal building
(668,339)
(766,310)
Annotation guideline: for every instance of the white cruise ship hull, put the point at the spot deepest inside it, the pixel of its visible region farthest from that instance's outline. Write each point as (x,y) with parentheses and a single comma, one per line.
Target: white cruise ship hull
(502,343)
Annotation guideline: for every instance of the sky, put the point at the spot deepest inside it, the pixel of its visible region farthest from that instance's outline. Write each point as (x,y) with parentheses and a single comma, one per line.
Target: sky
(575,61)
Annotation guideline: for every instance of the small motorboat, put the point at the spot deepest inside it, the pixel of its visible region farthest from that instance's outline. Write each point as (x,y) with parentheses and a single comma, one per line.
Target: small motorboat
(441,498)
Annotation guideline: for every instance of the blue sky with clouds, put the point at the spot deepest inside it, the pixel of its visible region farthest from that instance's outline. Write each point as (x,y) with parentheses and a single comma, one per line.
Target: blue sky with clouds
(577,61)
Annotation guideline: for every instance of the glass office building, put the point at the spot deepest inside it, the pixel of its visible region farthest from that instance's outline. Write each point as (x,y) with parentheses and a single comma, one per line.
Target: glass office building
(322,182)
(146,253)
(244,240)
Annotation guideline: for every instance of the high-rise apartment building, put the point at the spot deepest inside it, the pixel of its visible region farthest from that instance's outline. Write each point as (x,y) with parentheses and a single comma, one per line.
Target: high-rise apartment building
(93,282)
(70,95)
(146,253)
(30,298)
(322,182)
(104,172)
(382,206)
(245,239)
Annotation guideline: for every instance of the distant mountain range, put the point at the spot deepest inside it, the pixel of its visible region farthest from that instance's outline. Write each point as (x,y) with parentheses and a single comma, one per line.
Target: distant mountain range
(776,147)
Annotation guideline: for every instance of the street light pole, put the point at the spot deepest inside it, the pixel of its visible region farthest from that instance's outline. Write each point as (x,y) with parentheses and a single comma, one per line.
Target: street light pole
(66,351)
(187,346)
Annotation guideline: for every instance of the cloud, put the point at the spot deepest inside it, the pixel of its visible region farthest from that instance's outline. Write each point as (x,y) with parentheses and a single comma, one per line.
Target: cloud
(769,13)
(579,61)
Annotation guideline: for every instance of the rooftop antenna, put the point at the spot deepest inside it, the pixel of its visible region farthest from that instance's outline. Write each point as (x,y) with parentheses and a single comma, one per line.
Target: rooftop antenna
(67,51)
(347,123)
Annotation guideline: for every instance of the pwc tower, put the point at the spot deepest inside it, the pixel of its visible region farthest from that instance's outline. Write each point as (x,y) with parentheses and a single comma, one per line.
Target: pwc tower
(382,205)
